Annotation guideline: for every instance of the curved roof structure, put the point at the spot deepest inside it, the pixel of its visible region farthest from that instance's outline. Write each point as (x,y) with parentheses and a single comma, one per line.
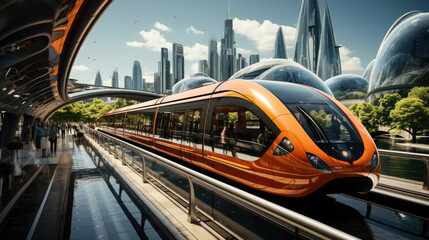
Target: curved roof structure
(39,41)
(348,87)
(282,70)
(402,60)
(194,81)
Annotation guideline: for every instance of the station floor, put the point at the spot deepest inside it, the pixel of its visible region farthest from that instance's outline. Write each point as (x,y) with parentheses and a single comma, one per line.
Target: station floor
(95,212)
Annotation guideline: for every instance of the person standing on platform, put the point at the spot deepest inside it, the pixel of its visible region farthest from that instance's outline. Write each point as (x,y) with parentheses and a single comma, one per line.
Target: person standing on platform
(53,134)
(42,133)
(63,129)
(69,127)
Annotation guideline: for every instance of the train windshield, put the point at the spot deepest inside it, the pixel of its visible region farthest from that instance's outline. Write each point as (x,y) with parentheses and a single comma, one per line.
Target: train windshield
(323,121)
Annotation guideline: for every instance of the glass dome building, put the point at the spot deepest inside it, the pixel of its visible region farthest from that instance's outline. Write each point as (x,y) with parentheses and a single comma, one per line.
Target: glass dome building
(348,88)
(194,81)
(402,61)
(283,70)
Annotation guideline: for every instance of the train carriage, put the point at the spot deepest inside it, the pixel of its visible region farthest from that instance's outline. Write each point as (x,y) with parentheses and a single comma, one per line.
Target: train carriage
(282,138)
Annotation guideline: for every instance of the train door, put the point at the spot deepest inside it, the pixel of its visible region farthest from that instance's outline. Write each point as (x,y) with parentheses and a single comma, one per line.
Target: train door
(192,137)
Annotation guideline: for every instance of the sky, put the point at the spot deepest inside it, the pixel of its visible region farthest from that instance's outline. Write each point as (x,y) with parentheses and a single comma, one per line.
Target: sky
(132,30)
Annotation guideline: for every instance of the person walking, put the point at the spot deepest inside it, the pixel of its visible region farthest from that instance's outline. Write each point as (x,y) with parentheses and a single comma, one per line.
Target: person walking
(53,134)
(42,133)
(63,129)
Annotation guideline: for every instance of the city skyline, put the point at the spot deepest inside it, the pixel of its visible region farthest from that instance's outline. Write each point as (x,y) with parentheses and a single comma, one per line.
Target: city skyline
(133,38)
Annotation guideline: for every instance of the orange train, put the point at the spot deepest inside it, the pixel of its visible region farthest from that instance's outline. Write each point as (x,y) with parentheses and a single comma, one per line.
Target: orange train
(281,138)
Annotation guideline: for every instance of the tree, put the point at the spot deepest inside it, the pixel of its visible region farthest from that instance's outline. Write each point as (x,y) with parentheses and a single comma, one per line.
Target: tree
(366,113)
(121,102)
(422,93)
(411,115)
(387,104)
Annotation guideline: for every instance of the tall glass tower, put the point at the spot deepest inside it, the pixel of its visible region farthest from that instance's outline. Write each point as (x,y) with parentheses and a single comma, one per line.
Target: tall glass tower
(328,64)
(115,78)
(279,45)
(128,83)
(227,50)
(254,57)
(178,63)
(98,80)
(137,76)
(213,59)
(164,71)
(308,36)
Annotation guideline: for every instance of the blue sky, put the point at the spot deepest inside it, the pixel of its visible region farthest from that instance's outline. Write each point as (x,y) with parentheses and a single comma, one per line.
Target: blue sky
(132,30)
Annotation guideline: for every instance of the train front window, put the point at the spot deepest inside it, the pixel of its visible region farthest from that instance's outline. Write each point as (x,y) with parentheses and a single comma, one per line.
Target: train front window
(321,119)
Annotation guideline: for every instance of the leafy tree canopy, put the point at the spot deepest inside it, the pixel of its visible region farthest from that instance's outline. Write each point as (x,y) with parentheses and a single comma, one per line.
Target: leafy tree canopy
(411,115)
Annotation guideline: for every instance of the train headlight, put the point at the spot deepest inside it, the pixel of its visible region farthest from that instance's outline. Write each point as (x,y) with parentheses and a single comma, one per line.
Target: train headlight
(374,162)
(284,148)
(318,163)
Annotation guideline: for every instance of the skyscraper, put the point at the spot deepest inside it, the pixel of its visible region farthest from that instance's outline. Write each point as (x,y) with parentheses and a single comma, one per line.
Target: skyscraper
(164,73)
(137,76)
(227,50)
(115,78)
(279,45)
(178,63)
(308,36)
(213,59)
(254,58)
(241,62)
(98,80)
(328,64)
(156,82)
(128,83)
(203,67)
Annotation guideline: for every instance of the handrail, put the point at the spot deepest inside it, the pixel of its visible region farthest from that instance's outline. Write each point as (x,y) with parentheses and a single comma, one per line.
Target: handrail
(260,206)
(415,156)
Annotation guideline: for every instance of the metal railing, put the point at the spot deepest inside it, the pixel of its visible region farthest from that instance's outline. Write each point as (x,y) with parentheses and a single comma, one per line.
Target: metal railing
(277,214)
(413,156)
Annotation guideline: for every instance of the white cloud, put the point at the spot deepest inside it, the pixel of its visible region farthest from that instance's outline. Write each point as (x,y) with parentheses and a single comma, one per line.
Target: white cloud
(263,34)
(154,40)
(193,30)
(194,68)
(243,51)
(350,64)
(80,68)
(134,44)
(162,27)
(196,52)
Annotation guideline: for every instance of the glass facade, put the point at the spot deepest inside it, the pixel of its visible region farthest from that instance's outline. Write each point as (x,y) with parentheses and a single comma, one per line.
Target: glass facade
(308,35)
(348,88)
(178,63)
(137,76)
(98,80)
(328,64)
(194,81)
(367,73)
(115,78)
(402,61)
(213,59)
(279,45)
(283,70)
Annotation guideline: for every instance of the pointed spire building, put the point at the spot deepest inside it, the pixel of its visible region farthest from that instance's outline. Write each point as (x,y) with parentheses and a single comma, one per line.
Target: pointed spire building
(279,46)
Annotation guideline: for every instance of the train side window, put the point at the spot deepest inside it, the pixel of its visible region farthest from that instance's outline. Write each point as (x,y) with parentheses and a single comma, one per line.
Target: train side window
(176,124)
(238,130)
(193,127)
